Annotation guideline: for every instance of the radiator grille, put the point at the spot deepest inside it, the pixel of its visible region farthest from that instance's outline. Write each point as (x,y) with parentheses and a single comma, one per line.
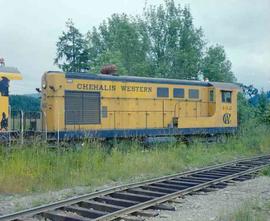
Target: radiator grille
(82,108)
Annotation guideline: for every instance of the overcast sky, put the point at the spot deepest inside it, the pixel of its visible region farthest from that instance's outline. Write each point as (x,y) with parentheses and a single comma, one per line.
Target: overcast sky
(29,30)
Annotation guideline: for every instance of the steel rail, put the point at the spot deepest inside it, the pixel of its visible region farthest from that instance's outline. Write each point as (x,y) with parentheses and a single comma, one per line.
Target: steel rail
(60,204)
(171,196)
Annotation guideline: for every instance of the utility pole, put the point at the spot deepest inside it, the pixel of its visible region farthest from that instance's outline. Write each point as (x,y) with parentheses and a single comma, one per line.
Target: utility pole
(2,62)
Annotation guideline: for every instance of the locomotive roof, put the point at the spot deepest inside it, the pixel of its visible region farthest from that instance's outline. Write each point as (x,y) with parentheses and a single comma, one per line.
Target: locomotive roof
(10,73)
(90,76)
(134,79)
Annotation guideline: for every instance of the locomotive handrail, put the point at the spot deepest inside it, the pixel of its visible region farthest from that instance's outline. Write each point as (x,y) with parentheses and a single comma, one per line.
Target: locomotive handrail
(32,120)
(46,125)
(77,118)
(22,127)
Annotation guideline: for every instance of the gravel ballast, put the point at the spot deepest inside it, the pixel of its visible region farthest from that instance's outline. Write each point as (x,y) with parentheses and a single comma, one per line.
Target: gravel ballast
(211,206)
(198,207)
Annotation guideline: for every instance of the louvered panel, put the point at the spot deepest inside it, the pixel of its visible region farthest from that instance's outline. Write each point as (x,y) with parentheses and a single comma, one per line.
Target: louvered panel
(91,107)
(73,107)
(82,108)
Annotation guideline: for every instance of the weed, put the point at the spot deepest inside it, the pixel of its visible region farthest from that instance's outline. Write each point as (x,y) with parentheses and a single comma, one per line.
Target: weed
(36,168)
(250,211)
(265,171)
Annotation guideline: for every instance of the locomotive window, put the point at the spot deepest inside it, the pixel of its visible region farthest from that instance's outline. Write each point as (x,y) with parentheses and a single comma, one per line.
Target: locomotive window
(4,86)
(226,96)
(179,92)
(211,95)
(193,93)
(163,92)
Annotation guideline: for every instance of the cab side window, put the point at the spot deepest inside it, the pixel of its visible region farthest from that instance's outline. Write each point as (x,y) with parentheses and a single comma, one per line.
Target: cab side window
(4,86)
(211,96)
(193,94)
(178,92)
(162,92)
(226,96)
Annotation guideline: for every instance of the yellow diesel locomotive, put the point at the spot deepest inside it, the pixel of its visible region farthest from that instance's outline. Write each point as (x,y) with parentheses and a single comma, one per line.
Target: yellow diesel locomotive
(76,105)
(6,74)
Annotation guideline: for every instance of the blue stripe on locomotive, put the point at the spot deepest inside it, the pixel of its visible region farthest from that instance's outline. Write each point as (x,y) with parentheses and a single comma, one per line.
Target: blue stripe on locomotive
(123,133)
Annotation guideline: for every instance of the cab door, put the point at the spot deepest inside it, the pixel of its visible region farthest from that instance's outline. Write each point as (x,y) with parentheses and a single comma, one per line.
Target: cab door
(227,108)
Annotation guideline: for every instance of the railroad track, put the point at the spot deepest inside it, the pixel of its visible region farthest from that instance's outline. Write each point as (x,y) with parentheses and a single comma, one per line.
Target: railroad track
(136,201)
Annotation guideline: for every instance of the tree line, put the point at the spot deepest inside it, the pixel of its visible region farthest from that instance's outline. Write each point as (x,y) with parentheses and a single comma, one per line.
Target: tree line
(162,42)
(24,103)
(253,105)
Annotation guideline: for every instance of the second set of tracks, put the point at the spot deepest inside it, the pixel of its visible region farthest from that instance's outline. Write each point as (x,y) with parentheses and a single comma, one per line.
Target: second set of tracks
(136,201)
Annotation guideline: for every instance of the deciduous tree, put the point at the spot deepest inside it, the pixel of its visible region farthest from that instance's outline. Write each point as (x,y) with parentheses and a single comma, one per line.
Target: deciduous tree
(163,42)
(117,40)
(176,46)
(216,66)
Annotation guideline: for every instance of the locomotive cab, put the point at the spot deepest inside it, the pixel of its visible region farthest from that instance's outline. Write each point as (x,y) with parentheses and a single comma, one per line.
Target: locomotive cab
(227,99)
(6,74)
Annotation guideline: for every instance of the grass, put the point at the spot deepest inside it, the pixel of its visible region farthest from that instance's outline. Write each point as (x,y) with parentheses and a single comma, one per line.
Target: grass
(37,168)
(265,171)
(250,211)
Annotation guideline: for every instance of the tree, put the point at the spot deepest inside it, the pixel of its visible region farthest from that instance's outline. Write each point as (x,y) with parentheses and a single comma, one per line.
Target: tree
(216,66)
(117,40)
(245,111)
(163,42)
(71,50)
(263,108)
(24,103)
(249,90)
(175,44)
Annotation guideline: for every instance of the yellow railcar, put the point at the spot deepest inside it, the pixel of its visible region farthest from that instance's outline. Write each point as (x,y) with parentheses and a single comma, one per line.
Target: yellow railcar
(82,104)
(6,74)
